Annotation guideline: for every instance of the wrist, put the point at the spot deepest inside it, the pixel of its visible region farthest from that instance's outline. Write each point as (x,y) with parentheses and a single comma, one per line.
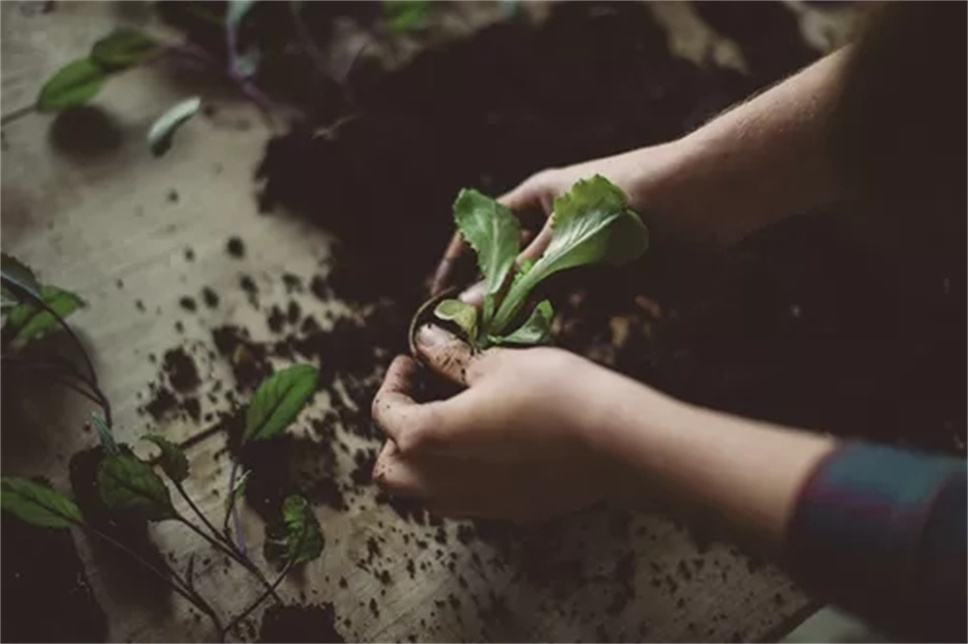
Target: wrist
(615,409)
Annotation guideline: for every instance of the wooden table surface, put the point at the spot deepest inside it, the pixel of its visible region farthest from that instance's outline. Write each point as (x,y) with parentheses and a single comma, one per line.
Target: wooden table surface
(89,220)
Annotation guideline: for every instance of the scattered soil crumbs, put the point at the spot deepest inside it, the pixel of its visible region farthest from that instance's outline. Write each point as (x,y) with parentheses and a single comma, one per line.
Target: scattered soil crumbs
(162,403)
(276,319)
(247,358)
(188,303)
(299,624)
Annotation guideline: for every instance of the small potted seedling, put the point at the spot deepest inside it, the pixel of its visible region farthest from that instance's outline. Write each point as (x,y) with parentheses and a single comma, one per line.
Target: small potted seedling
(590,224)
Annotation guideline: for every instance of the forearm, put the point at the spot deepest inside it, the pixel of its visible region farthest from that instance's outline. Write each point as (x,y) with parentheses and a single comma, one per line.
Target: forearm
(741,473)
(761,161)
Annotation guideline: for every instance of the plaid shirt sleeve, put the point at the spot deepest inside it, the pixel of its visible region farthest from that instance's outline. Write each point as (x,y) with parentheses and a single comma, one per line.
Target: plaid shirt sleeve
(882,533)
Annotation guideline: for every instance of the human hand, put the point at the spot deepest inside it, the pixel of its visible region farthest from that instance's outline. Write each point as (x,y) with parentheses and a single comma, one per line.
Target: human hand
(639,173)
(513,445)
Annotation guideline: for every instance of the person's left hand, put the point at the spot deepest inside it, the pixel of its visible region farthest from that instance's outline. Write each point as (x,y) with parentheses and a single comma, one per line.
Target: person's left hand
(512,445)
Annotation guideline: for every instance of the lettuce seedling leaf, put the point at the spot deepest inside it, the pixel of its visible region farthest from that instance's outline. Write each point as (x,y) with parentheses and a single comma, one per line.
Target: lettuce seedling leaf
(462,314)
(591,224)
(492,231)
(536,330)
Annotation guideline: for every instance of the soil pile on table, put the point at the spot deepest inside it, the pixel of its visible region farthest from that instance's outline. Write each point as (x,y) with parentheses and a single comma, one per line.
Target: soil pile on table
(810,323)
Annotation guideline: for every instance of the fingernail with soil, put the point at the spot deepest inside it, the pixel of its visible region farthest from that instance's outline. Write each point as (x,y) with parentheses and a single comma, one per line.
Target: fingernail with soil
(430,337)
(474,294)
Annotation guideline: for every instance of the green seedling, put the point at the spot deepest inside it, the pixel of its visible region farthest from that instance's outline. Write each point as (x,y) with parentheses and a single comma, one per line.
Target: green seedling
(591,224)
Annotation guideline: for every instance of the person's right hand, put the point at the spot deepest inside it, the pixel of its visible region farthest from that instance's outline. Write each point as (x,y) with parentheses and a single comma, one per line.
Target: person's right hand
(516,444)
(638,173)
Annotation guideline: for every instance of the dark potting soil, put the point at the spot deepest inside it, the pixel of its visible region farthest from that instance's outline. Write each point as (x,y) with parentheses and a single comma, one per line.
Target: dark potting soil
(162,403)
(299,624)
(247,358)
(41,568)
(793,326)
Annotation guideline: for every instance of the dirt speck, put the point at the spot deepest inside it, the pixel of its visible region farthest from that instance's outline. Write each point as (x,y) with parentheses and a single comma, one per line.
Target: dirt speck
(210,297)
(235,247)
(180,369)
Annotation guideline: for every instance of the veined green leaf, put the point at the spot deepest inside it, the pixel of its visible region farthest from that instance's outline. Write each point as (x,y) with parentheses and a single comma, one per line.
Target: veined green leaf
(536,330)
(28,320)
(492,231)
(17,275)
(462,314)
(129,484)
(173,461)
(278,401)
(405,15)
(74,84)
(304,539)
(123,48)
(164,128)
(591,224)
(38,504)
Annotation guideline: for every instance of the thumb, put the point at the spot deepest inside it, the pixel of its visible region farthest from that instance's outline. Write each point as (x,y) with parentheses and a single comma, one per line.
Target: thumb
(444,353)
(454,359)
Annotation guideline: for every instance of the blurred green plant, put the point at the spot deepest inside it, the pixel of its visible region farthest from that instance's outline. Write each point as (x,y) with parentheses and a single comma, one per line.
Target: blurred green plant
(128,485)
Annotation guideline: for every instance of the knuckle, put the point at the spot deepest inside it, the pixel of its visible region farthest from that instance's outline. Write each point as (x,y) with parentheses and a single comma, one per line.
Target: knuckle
(422,435)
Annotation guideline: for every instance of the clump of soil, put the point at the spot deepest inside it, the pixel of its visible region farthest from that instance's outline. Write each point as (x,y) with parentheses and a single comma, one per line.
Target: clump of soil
(247,358)
(162,403)
(180,369)
(210,297)
(299,624)
(235,247)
